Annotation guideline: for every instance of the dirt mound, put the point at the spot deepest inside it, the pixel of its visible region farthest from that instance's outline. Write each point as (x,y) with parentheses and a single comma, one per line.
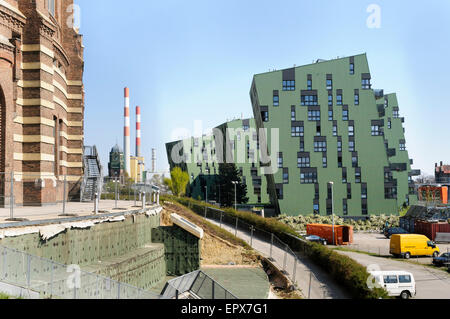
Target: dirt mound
(214,249)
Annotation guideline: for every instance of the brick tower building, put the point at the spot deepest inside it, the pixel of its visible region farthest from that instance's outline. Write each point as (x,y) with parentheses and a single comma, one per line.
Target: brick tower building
(41,100)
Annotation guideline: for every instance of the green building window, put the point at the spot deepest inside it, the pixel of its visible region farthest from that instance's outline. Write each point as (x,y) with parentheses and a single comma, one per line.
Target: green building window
(396,113)
(351,146)
(364,191)
(288,85)
(358,175)
(265,116)
(313,115)
(330,115)
(276,100)
(297,131)
(364,209)
(285,176)
(402,146)
(280,160)
(308,178)
(349,191)
(329,84)
(303,162)
(354,161)
(293,113)
(345,207)
(366,84)
(339,146)
(324,161)
(339,98)
(330,99)
(351,130)
(316,209)
(352,68)
(320,146)
(376,130)
(356,98)
(309,100)
(309,83)
(344,175)
(345,115)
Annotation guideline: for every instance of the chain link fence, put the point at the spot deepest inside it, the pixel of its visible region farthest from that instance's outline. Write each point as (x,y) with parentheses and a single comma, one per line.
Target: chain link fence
(54,280)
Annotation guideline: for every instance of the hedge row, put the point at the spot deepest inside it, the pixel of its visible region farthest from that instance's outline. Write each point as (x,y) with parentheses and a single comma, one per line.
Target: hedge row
(343,269)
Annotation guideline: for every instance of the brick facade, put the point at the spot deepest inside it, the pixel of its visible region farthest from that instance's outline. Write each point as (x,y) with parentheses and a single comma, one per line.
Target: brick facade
(41,100)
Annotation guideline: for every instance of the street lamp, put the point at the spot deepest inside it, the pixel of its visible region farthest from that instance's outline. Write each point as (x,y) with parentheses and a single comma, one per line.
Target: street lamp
(331,184)
(235,200)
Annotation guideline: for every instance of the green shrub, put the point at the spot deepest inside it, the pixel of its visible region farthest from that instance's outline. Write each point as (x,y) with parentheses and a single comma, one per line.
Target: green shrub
(343,269)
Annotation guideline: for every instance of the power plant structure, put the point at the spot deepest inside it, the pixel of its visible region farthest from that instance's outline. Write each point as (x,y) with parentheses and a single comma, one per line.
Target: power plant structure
(123,162)
(126,135)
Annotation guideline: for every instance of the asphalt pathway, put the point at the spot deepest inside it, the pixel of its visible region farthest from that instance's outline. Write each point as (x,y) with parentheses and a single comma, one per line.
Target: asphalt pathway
(311,280)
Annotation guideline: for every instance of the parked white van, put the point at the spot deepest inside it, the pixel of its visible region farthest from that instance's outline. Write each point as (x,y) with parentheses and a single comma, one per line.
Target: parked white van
(397,283)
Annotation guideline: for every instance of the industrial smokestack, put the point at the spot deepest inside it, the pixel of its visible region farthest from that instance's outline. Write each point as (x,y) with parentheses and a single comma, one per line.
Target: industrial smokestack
(126,134)
(138,131)
(153,160)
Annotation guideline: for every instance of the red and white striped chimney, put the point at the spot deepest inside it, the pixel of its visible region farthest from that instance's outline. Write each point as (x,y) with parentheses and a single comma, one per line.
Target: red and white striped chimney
(126,134)
(138,131)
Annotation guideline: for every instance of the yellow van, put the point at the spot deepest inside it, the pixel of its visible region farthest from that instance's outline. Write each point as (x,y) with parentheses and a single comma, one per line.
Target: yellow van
(407,245)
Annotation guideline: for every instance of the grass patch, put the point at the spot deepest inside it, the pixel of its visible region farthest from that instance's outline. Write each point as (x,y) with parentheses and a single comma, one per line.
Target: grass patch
(4,296)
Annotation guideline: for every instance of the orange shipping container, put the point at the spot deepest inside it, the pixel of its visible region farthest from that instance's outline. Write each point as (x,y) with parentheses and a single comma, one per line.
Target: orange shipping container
(343,234)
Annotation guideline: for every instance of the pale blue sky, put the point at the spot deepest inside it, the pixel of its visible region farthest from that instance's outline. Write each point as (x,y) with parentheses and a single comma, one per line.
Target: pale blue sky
(194,60)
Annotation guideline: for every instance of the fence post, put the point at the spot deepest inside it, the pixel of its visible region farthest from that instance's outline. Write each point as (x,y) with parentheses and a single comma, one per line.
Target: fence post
(235,231)
(64,194)
(213,292)
(28,271)
(51,281)
(134,195)
(118,290)
(251,236)
(221,216)
(310,281)
(285,258)
(294,272)
(115,193)
(96,203)
(12,196)
(271,248)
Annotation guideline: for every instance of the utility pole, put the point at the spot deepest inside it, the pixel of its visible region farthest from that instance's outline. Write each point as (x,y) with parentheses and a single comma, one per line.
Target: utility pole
(235,197)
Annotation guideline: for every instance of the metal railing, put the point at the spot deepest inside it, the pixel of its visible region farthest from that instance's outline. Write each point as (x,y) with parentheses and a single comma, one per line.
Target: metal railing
(280,253)
(54,280)
(195,285)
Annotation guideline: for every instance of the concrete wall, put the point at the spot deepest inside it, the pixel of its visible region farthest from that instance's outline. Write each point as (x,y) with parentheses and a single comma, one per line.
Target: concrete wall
(134,251)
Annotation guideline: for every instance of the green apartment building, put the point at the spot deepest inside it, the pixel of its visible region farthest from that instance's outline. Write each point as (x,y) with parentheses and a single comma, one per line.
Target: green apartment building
(333,126)
(233,142)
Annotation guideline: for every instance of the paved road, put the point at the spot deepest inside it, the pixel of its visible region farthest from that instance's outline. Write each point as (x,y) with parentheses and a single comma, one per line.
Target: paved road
(322,285)
(378,244)
(431,283)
